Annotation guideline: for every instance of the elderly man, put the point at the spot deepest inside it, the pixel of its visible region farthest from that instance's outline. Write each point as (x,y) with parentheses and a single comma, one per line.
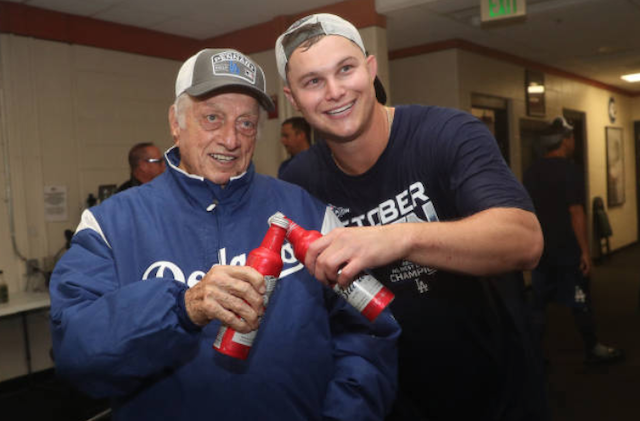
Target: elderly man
(153,272)
(145,163)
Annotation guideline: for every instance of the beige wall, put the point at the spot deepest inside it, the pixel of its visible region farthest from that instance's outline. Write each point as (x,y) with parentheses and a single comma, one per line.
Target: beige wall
(426,79)
(450,77)
(269,151)
(69,116)
(636,108)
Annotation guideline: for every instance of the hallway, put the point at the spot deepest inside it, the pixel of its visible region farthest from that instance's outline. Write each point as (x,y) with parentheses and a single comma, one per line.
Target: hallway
(608,392)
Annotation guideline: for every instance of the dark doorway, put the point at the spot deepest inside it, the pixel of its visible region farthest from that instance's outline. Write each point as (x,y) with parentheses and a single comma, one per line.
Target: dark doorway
(529,132)
(492,111)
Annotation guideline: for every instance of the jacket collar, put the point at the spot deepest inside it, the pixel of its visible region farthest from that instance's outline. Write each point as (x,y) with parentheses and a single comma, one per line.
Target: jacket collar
(203,193)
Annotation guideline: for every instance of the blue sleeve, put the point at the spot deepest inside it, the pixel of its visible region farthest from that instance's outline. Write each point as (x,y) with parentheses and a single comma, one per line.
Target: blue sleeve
(364,384)
(109,337)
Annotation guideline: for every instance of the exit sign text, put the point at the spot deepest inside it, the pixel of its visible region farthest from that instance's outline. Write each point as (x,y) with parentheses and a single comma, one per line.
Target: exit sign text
(501,9)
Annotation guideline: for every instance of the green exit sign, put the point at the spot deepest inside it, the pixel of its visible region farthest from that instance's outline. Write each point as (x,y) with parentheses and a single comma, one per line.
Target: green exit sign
(493,10)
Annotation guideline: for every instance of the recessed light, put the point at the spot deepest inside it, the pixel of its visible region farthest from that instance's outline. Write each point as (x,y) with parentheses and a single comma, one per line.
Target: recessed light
(634,77)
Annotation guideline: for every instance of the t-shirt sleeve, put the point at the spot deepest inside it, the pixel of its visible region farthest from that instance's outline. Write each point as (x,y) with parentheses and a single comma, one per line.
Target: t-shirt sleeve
(474,170)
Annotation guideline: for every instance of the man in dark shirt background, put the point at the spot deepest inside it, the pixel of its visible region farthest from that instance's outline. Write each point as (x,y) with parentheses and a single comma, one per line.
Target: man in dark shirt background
(295,136)
(557,190)
(146,163)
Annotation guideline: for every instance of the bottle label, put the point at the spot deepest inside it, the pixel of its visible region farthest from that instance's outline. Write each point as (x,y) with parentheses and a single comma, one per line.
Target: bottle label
(361,291)
(245,339)
(270,285)
(218,342)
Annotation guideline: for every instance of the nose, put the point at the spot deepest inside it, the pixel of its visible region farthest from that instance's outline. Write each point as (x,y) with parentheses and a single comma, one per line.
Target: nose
(229,136)
(334,90)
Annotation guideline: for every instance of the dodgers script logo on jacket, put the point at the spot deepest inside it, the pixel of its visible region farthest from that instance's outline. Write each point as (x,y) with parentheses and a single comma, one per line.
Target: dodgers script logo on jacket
(165,269)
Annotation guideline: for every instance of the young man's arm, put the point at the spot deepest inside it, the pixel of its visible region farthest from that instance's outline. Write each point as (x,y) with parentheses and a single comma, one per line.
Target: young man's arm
(493,241)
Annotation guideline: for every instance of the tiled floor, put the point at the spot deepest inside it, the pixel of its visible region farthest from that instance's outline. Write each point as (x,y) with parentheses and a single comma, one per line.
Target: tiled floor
(611,392)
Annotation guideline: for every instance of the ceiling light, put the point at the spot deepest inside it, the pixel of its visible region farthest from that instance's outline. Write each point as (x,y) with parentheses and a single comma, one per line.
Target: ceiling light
(634,77)
(535,89)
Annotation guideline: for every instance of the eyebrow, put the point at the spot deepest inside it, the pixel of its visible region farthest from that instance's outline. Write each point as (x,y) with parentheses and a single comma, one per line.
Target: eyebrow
(315,73)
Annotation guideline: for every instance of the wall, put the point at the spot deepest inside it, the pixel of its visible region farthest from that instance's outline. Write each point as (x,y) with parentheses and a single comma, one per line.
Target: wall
(70,115)
(426,79)
(477,74)
(269,151)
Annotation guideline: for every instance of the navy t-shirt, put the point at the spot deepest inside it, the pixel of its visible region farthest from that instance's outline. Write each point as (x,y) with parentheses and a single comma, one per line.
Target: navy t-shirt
(439,165)
(555,184)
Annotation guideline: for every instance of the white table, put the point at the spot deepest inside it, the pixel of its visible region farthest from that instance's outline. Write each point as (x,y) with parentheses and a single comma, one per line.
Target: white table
(20,304)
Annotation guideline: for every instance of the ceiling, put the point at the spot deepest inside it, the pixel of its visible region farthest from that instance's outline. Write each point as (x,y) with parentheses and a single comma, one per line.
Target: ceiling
(596,39)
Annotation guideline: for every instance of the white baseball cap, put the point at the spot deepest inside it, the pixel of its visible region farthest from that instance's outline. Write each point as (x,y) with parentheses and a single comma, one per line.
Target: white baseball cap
(319,24)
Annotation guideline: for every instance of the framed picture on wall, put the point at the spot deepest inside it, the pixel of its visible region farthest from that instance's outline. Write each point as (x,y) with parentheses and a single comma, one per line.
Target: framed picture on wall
(534,87)
(615,166)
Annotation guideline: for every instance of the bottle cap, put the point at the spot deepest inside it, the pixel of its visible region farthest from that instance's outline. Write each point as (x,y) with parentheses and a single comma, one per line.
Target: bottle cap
(278,219)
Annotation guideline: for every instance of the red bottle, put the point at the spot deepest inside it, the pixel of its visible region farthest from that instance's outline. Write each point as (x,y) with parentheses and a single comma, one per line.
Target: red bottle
(267,260)
(365,293)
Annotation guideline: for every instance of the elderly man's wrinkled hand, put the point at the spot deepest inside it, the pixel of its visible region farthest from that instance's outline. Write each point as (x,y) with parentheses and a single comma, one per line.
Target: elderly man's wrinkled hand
(231,294)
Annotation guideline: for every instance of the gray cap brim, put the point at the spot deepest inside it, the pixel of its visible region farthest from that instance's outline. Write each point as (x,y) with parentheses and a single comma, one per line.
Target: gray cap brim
(211,87)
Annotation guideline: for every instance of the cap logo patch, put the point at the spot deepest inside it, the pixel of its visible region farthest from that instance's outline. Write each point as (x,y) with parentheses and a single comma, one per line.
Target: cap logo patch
(233,64)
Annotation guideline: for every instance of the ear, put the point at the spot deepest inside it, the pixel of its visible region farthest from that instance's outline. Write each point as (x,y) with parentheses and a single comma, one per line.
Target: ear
(372,65)
(290,97)
(173,125)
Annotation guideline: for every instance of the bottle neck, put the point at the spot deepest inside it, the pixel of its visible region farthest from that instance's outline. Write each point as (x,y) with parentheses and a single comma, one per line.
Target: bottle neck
(274,238)
(301,239)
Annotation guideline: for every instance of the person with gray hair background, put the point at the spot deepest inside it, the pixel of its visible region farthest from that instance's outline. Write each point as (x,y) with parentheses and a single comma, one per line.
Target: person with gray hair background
(145,162)
(562,275)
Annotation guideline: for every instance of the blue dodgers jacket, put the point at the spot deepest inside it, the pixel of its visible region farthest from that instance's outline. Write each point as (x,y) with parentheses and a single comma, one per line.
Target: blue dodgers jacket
(120,328)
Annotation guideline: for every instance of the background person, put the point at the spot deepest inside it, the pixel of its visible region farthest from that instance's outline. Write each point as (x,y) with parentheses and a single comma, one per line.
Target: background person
(153,272)
(557,190)
(145,162)
(295,136)
(430,202)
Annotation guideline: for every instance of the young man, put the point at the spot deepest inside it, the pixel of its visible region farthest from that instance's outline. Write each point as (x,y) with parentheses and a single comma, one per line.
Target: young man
(429,202)
(153,272)
(295,136)
(557,190)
